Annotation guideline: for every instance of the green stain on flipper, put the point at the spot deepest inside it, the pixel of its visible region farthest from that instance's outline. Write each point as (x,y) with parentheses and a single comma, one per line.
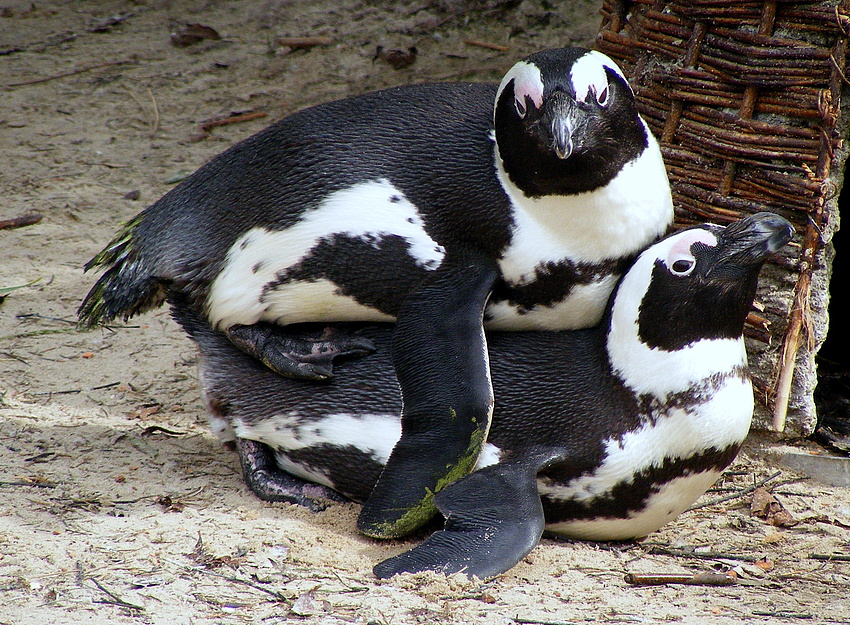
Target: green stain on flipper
(424,509)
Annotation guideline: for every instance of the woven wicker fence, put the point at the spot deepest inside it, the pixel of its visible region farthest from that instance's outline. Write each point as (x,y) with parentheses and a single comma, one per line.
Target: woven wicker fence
(745,98)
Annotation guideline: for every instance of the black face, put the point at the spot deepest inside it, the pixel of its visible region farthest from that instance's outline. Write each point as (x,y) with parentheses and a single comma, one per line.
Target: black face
(562,146)
(705,292)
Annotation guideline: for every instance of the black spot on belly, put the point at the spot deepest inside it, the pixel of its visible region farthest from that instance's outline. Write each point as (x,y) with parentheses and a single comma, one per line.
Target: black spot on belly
(352,471)
(630,497)
(553,282)
(376,271)
(701,393)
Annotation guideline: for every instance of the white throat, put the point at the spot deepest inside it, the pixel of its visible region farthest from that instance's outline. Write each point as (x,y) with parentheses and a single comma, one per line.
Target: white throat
(613,221)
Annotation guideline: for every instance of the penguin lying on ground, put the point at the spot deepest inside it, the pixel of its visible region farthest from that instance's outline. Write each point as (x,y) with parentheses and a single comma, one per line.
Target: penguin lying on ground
(603,434)
(421,204)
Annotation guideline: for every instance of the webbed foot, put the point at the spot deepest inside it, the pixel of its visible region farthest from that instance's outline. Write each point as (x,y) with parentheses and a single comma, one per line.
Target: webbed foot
(270,483)
(298,355)
(493,519)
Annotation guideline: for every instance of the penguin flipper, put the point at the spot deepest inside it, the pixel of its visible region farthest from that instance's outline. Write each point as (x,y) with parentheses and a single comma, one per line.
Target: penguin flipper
(270,483)
(440,358)
(297,355)
(494,517)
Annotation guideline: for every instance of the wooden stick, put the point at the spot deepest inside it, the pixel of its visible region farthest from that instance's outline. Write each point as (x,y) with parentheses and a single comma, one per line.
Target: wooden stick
(155,125)
(487,45)
(304,42)
(32,484)
(20,222)
(835,557)
(278,596)
(798,316)
(233,119)
(693,579)
(737,494)
(113,598)
(72,73)
(703,555)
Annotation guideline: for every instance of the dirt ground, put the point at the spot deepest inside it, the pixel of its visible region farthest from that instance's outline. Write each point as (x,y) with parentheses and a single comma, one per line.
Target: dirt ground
(116,503)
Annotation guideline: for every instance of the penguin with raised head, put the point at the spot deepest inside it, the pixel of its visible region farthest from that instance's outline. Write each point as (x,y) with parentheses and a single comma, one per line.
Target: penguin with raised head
(604,433)
(427,204)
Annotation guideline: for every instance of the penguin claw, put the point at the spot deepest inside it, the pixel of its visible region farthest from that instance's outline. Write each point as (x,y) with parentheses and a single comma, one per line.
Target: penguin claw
(270,483)
(301,356)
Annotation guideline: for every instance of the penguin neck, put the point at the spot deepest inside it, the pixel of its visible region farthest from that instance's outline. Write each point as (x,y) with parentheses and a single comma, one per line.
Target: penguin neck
(651,371)
(611,222)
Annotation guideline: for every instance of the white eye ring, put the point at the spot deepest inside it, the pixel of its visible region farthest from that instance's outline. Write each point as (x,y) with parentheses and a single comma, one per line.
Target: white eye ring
(681,265)
(521,109)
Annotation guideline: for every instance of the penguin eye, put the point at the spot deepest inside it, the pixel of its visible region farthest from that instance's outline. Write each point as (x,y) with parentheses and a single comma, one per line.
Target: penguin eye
(521,109)
(603,97)
(683,266)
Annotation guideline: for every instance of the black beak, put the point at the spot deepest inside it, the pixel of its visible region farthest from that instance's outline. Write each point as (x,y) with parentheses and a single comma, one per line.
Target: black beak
(561,116)
(751,240)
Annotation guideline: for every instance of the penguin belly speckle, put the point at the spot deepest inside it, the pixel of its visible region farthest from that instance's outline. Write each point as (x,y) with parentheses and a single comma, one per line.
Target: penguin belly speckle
(649,475)
(666,501)
(306,272)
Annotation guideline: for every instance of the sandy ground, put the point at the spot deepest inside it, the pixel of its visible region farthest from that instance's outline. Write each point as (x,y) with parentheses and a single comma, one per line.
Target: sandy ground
(116,503)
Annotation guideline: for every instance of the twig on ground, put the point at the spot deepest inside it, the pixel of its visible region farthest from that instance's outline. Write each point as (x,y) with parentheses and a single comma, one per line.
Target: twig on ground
(274,593)
(736,495)
(700,555)
(113,598)
(82,70)
(20,222)
(155,124)
(72,391)
(32,484)
(209,124)
(694,579)
(486,45)
(303,42)
(835,557)
(783,614)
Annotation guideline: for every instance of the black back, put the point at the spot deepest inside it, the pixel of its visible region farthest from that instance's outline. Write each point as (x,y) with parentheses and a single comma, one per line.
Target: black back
(431,141)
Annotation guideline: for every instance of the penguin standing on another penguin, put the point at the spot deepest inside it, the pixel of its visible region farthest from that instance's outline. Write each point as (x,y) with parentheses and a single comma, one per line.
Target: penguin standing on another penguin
(605,433)
(429,205)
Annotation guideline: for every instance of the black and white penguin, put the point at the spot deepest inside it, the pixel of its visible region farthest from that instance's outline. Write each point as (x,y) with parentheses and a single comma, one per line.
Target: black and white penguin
(605,433)
(424,204)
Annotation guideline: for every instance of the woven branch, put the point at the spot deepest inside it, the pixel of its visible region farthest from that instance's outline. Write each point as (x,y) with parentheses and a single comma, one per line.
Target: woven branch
(744,98)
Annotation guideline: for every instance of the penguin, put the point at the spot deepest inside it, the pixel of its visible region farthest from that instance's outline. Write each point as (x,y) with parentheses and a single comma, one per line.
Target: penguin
(605,433)
(440,207)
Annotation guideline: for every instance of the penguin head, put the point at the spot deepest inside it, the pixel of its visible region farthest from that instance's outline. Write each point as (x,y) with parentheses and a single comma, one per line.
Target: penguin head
(566,122)
(700,283)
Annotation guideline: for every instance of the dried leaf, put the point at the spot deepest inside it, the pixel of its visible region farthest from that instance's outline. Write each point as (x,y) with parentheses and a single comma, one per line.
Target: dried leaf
(193,33)
(170,505)
(764,565)
(774,537)
(398,59)
(765,506)
(308,605)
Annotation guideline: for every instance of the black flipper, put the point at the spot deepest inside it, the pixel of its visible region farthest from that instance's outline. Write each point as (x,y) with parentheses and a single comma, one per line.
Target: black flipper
(493,519)
(269,482)
(440,358)
(296,355)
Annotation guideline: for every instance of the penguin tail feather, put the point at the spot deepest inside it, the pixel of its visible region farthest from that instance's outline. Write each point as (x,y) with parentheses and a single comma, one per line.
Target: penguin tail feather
(126,288)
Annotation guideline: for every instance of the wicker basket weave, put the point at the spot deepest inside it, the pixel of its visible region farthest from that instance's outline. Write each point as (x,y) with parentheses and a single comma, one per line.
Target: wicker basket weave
(745,98)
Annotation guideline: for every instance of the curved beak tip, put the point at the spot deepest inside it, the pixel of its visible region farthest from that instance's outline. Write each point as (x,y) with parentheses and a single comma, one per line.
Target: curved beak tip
(563,150)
